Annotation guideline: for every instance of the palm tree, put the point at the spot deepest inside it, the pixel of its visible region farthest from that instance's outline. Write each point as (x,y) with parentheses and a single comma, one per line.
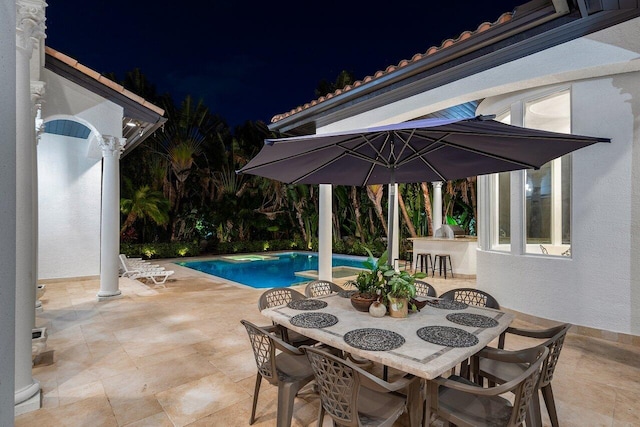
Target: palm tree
(427,205)
(405,215)
(144,203)
(375,193)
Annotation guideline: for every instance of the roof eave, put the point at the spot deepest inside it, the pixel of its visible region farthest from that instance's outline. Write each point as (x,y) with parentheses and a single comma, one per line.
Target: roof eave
(535,30)
(134,107)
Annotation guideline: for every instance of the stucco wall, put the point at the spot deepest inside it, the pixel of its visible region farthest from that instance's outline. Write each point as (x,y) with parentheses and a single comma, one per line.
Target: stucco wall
(69,181)
(69,208)
(595,287)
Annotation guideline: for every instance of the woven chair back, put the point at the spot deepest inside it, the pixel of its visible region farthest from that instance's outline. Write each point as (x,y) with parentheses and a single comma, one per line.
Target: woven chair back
(423,289)
(338,385)
(319,288)
(278,296)
(471,296)
(263,351)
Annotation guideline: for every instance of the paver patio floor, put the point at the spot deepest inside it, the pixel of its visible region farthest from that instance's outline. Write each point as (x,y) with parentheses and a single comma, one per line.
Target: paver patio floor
(179,356)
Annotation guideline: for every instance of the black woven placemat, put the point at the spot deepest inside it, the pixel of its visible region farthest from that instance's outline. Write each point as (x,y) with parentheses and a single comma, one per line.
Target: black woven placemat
(307,304)
(447,336)
(447,304)
(314,320)
(373,339)
(346,294)
(470,319)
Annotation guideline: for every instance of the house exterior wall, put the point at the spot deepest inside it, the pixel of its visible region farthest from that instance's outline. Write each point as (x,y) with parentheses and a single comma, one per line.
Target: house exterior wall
(597,287)
(69,208)
(70,181)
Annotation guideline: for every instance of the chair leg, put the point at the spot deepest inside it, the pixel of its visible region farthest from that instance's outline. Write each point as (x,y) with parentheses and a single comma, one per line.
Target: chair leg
(286,395)
(321,415)
(533,417)
(255,398)
(547,394)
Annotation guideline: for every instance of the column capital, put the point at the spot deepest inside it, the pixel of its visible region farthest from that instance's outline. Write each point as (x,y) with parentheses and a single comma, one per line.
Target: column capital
(112,145)
(437,184)
(30,23)
(37,91)
(37,95)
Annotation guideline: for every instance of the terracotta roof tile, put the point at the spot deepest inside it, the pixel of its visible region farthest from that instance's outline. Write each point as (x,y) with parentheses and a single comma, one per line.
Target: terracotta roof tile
(102,79)
(505,17)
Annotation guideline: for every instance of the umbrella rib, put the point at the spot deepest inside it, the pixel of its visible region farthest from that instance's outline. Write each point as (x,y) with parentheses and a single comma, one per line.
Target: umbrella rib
(367,141)
(284,159)
(418,155)
(405,143)
(444,142)
(348,152)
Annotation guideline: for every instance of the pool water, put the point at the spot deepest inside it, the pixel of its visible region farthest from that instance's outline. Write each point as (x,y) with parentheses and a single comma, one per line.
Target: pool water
(275,270)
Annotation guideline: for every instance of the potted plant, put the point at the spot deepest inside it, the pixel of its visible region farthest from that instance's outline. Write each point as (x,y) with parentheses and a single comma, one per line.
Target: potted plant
(369,284)
(399,289)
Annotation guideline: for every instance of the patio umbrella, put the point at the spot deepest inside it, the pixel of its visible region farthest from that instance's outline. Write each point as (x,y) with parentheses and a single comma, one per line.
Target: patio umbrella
(424,150)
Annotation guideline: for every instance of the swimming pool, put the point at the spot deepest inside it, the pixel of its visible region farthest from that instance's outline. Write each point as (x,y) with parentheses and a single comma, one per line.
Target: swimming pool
(270,270)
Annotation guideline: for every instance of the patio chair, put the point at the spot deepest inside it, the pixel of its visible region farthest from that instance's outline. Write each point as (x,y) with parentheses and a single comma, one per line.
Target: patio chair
(318,288)
(281,296)
(474,297)
(424,289)
(289,370)
(498,373)
(459,401)
(354,397)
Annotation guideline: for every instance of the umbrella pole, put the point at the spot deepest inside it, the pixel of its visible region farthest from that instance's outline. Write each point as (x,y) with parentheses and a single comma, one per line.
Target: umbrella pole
(391,219)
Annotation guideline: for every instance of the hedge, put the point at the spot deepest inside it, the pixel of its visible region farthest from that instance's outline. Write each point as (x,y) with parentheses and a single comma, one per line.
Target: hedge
(159,250)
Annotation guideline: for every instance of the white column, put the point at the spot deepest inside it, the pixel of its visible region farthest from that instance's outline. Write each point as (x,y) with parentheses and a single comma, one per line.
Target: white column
(7,210)
(437,206)
(110,223)
(325,235)
(29,31)
(37,95)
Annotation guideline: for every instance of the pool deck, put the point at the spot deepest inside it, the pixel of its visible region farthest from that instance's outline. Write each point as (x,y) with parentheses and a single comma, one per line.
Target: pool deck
(179,356)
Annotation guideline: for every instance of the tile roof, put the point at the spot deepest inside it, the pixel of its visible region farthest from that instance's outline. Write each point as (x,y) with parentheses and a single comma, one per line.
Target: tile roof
(102,79)
(505,17)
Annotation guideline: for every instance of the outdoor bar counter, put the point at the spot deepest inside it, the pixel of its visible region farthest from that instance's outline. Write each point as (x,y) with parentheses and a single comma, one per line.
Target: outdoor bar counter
(461,249)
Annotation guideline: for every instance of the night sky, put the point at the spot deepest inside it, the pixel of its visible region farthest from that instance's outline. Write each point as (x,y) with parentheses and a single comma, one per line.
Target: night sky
(253,60)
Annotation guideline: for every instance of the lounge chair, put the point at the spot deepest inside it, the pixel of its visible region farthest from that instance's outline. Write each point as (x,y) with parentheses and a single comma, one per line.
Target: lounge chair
(158,275)
(134,262)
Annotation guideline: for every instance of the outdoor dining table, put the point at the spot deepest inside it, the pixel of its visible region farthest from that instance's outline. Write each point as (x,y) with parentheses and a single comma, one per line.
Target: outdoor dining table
(427,344)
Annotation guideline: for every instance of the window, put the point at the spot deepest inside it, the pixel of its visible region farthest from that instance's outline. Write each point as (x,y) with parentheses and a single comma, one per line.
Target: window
(546,220)
(548,190)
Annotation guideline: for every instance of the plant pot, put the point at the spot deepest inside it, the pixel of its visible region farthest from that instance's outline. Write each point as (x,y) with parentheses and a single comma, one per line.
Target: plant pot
(362,302)
(398,307)
(377,309)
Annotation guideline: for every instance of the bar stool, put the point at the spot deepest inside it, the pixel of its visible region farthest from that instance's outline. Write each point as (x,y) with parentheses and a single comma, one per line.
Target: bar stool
(424,260)
(405,263)
(438,260)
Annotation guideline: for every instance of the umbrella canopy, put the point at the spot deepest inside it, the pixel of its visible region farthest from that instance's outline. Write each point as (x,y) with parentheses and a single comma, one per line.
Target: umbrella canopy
(415,151)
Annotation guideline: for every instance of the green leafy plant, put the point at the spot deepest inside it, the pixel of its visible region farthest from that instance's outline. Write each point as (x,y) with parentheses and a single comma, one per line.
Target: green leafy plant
(371,282)
(399,284)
